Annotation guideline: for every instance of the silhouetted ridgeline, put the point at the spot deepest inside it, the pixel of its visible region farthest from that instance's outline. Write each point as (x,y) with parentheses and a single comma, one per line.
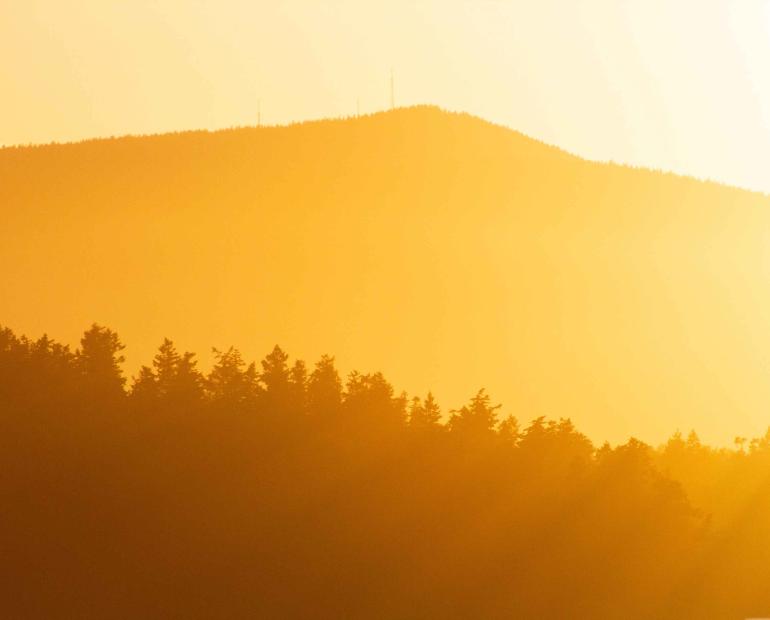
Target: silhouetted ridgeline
(277,490)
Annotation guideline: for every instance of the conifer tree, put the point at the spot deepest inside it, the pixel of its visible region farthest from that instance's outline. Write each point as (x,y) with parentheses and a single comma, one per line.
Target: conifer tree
(478,417)
(98,360)
(324,389)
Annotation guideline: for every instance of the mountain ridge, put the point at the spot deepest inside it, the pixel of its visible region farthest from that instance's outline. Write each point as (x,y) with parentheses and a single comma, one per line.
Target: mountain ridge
(446,251)
(432,108)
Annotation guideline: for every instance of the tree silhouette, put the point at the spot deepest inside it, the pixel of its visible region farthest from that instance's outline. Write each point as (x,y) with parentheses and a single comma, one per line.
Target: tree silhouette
(324,390)
(477,418)
(424,415)
(298,385)
(173,382)
(99,359)
(508,430)
(316,500)
(276,378)
(144,390)
(370,401)
(232,383)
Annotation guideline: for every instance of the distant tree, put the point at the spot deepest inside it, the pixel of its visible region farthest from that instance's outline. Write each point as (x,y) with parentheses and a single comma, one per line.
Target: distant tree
(166,366)
(324,389)
(415,411)
(275,371)
(634,455)
(98,360)
(276,378)
(693,441)
(188,386)
(424,415)
(675,443)
(298,381)
(231,383)
(8,341)
(760,445)
(54,367)
(370,402)
(508,430)
(559,448)
(478,417)
(173,382)
(144,389)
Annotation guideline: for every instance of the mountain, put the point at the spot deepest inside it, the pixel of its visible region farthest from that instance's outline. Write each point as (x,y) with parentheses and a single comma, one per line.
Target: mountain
(445,251)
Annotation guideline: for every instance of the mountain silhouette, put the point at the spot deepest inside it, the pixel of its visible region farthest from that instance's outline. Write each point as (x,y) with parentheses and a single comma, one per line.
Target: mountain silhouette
(443,250)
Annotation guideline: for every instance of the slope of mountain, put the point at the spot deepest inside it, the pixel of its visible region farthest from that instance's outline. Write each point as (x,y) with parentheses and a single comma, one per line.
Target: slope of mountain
(445,251)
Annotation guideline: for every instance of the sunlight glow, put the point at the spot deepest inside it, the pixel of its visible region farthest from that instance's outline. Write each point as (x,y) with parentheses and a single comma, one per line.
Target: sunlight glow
(679,86)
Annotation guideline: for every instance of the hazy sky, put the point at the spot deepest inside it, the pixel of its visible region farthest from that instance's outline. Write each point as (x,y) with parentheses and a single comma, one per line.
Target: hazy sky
(681,85)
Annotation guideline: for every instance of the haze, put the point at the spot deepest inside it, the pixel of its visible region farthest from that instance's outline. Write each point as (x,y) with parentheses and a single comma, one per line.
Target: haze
(446,252)
(679,86)
(405,309)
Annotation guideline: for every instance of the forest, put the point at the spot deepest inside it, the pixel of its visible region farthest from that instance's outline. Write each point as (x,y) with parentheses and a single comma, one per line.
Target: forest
(276,489)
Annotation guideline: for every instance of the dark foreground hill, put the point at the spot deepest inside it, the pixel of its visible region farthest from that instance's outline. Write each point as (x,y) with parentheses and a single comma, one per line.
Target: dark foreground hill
(281,490)
(440,249)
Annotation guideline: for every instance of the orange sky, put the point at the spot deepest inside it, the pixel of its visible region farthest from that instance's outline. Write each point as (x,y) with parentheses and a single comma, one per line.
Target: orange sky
(682,86)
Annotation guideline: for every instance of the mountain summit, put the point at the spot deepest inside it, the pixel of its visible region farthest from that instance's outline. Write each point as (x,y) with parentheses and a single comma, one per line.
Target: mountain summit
(443,250)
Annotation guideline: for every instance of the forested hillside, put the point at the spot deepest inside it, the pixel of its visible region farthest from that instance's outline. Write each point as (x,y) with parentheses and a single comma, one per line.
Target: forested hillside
(282,490)
(441,249)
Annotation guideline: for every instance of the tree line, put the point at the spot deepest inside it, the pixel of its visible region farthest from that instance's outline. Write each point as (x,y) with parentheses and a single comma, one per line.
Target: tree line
(274,489)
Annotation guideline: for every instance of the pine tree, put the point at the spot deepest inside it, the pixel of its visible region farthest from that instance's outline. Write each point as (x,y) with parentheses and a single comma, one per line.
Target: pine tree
(424,416)
(276,379)
(324,389)
(298,381)
(232,384)
(144,390)
(98,360)
(508,431)
(478,417)
(166,366)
